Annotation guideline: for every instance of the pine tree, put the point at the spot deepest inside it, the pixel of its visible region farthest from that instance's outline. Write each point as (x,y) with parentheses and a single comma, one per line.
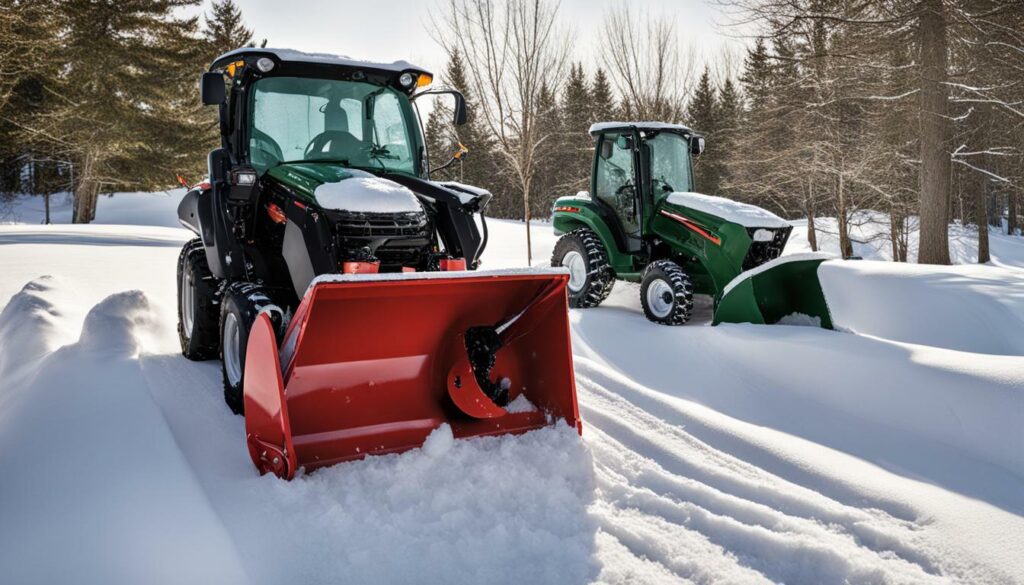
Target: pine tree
(604,107)
(729,117)
(703,118)
(225,30)
(551,156)
(577,101)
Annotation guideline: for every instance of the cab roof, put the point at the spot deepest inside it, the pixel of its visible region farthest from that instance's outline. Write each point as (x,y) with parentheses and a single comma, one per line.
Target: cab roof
(601,127)
(300,57)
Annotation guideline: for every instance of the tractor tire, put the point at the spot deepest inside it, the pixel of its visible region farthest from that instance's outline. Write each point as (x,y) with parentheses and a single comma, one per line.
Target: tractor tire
(590,277)
(666,293)
(198,300)
(242,303)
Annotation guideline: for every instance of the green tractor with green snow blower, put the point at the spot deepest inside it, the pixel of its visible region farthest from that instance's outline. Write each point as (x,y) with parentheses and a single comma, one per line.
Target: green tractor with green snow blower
(642,222)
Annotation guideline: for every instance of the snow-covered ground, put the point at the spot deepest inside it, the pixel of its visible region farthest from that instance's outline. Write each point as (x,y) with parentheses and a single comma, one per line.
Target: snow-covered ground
(890,452)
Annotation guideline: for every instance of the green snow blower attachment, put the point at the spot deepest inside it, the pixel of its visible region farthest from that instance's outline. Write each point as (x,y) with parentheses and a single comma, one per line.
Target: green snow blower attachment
(786,290)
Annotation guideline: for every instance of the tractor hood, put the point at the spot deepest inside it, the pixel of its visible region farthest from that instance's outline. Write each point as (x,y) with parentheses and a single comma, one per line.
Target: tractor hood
(744,214)
(336,187)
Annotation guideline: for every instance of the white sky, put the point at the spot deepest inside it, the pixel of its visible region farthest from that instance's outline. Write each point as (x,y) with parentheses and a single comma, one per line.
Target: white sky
(386,30)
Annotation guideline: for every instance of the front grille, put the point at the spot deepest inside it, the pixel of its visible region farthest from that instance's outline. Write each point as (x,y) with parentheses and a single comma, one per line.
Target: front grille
(396,239)
(761,252)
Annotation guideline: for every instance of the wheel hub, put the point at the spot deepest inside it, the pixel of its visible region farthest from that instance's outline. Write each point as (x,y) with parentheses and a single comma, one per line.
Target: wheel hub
(577,266)
(232,351)
(660,299)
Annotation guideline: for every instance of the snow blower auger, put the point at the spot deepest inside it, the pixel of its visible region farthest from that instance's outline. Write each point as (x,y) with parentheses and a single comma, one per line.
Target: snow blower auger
(642,222)
(337,283)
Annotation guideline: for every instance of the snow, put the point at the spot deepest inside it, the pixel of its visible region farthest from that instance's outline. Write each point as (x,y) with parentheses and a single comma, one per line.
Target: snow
(889,452)
(520,404)
(292,55)
(365,193)
(602,126)
(742,213)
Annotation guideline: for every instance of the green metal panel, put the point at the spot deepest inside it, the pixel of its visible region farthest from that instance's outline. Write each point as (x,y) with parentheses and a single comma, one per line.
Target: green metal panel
(304,178)
(768,295)
(586,215)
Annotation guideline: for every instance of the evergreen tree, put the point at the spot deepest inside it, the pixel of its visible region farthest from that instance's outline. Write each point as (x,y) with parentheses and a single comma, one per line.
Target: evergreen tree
(549,173)
(703,118)
(729,117)
(225,30)
(575,140)
(604,108)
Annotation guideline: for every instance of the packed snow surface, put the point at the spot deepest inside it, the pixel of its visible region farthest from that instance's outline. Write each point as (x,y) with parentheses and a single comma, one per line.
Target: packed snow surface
(295,56)
(366,193)
(742,213)
(888,452)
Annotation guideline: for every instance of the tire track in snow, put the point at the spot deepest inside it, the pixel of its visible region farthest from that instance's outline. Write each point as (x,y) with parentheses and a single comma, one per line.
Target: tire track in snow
(797,536)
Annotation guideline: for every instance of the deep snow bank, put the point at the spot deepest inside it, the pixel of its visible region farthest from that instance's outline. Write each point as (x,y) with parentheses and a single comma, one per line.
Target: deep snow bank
(971,308)
(94,488)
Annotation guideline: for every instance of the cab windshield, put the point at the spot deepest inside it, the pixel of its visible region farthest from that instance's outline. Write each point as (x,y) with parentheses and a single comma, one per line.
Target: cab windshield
(670,164)
(346,122)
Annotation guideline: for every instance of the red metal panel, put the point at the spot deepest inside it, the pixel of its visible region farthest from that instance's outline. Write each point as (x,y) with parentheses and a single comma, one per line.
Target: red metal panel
(369,370)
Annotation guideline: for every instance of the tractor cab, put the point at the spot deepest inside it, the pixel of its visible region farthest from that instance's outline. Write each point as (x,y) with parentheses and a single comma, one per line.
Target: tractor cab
(635,168)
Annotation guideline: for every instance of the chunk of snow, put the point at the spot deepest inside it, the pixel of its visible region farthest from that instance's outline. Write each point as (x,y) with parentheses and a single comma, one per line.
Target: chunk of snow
(367,194)
(742,213)
(800,320)
(602,126)
(294,56)
(520,404)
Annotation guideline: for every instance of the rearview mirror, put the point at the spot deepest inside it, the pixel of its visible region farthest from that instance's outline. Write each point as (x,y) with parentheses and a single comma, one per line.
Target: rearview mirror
(460,109)
(696,145)
(211,88)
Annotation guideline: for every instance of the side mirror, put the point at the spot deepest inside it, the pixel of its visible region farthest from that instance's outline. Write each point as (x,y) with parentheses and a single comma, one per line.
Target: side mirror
(696,145)
(211,88)
(460,109)
(606,149)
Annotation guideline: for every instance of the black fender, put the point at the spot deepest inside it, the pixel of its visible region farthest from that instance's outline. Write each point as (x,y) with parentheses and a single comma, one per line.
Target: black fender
(205,211)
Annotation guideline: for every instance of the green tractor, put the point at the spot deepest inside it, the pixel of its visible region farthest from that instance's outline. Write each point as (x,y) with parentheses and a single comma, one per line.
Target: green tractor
(642,222)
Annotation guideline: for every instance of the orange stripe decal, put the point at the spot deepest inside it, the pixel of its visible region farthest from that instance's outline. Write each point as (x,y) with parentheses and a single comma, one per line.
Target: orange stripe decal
(693,226)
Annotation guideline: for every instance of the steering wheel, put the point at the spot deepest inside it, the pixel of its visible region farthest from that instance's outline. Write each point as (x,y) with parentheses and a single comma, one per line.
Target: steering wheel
(338,142)
(263,145)
(666,187)
(625,199)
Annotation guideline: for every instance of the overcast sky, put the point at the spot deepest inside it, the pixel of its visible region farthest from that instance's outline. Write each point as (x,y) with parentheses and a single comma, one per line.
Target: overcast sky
(386,30)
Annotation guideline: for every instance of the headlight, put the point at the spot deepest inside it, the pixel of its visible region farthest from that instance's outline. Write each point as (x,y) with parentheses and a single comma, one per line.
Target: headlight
(265,64)
(406,79)
(763,235)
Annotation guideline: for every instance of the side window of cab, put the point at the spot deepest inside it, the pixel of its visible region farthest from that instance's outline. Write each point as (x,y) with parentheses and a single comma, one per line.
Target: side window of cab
(616,179)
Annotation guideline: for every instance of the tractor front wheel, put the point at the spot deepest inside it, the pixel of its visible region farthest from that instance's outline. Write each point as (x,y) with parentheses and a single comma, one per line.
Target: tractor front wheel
(197,304)
(242,303)
(590,277)
(666,293)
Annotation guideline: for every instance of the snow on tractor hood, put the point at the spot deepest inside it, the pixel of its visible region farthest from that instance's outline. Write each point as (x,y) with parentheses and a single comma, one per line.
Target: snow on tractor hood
(743,214)
(363,192)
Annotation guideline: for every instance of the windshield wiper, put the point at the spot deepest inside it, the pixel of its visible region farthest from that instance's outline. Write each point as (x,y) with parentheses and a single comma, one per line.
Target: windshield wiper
(336,161)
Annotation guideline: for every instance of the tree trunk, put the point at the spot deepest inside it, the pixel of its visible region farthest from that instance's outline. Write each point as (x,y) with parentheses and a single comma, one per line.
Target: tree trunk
(812,233)
(46,208)
(86,192)
(979,195)
(842,221)
(934,131)
(1011,219)
(526,216)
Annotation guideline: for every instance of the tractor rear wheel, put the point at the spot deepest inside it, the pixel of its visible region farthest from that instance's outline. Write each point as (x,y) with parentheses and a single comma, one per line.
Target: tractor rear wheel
(590,277)
(197,304)
(666,293)
(242,303)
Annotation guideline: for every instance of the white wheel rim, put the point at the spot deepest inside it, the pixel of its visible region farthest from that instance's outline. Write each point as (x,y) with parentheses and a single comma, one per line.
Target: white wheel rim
(577,266)
(188,301)
(660,298)
(232,353)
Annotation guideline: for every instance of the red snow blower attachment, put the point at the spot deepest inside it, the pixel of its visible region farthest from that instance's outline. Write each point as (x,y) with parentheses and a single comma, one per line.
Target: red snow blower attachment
(372,364)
